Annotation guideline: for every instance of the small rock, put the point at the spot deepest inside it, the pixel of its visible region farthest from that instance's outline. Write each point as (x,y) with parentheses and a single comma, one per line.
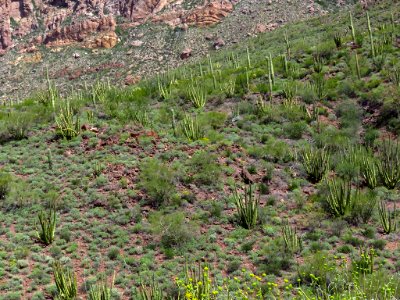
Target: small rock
(209,37)
(137,43)
(219,43)
(132,79)
(186,53)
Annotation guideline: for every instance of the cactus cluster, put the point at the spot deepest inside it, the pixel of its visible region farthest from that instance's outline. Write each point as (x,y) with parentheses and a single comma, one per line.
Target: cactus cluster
(340,197)
(191,128)
(389,164)
(47,226)
(68,123)
(66,283)
(293,242)
(387,218)
(316,163)
(247,207)
(197,95)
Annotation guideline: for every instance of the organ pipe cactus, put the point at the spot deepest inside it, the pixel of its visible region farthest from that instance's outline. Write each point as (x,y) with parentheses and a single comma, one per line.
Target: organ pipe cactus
(339,199)
(293,243)
(387,218)
(389,164)
(65,281)
(316,163)
(191,128)
(247,207)
(68,124)
(47,229)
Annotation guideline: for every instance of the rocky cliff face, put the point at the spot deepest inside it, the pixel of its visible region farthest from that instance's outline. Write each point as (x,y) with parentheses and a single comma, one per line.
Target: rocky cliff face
(151,36)
(92,22)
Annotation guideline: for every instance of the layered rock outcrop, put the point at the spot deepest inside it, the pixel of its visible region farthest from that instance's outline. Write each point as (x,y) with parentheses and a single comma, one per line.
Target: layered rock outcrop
(209,14)
(92,22)
(81,32)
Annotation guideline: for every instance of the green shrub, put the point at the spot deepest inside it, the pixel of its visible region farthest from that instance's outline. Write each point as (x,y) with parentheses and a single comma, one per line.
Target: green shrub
(364,264)
(274,260)
(16,126)
(277,151)
(295,130)
(317,270)
(205,168)
(363,205)
(158,181)
(233,266)
(113,253)
(173,228)
(215,119)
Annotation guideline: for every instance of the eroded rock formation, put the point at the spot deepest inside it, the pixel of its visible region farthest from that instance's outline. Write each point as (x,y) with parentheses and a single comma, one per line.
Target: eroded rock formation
(92,22)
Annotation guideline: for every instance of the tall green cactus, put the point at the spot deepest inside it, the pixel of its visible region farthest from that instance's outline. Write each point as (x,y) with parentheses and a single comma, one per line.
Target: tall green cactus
(248,58)
(289,93)
(68,123)
(285,65)
(389,164)
(287,43)
(191,128)
(371,38)
(66,283)
(46,232)
(271,68)
(101,291)
(164,89)
(173,120)
(293,243)
(369,172)
(151,292)
(49,159)
(197,95)
(270,84)
(316,163)
(339,199)
(337,38)
(247,207)
(387,218)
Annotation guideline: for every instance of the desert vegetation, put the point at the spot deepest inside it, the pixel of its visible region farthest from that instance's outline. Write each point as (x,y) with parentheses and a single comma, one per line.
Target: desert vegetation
(270,170)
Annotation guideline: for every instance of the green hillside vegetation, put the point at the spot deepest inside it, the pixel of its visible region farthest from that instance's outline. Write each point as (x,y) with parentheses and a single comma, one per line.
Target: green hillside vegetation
(268,171)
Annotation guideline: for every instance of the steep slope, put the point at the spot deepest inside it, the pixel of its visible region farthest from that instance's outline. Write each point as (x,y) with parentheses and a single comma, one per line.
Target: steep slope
(142,36)
(146,181)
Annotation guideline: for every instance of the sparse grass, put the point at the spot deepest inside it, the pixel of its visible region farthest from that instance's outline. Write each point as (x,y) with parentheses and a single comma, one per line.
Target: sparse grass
(142,190)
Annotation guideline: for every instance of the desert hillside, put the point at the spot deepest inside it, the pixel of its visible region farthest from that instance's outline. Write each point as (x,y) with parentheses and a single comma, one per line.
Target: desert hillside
(267,169)
(127,40)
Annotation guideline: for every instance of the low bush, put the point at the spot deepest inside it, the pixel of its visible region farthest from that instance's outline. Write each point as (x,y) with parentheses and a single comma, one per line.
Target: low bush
(158,181)
(174,229)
